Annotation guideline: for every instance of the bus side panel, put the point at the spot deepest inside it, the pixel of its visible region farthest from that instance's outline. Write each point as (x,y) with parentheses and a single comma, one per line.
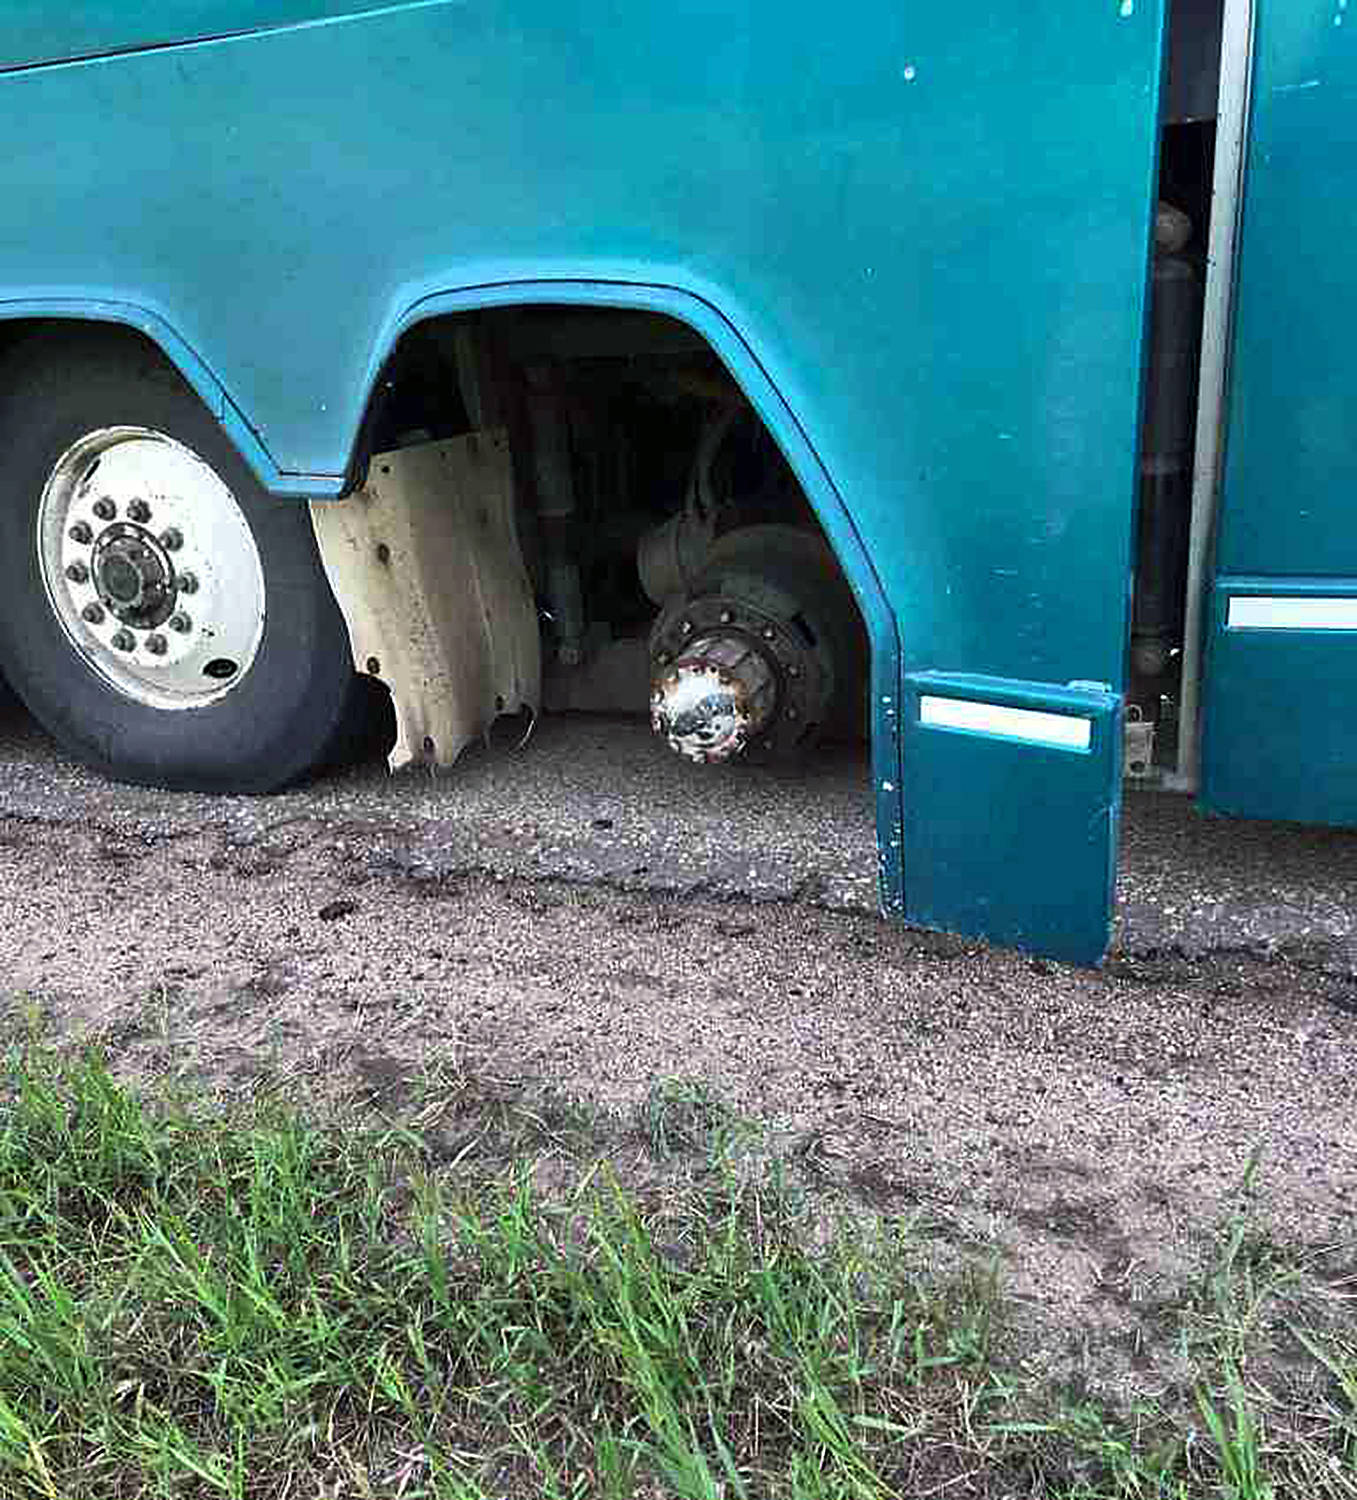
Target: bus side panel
(1283,725)
(1280,705)
(929,225)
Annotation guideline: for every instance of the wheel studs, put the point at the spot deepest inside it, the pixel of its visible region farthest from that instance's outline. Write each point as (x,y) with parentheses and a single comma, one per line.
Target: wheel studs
(93,614)
(156,644)
(105,509)
(180,622)
(123,640)
(77,572)
(81,534)
(188,583)
(138,510)
(172,539)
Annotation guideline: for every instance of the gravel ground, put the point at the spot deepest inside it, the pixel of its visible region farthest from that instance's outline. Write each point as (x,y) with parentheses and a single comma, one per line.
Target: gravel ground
(591,916)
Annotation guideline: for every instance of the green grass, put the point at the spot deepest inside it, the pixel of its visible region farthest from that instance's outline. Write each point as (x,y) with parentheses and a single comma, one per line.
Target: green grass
(200,1303)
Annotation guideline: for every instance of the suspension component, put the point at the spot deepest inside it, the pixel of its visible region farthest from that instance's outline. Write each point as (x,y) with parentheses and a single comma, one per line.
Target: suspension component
(761,653)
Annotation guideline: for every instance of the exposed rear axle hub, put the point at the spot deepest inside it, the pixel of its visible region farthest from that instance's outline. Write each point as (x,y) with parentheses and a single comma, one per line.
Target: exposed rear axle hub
(751,657)
(719,693)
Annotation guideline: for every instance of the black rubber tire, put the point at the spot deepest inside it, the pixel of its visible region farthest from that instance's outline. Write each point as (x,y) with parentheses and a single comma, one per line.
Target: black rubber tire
(292,708)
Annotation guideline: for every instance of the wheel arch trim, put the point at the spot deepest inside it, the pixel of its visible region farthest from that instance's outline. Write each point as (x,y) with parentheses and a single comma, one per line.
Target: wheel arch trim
(194,369)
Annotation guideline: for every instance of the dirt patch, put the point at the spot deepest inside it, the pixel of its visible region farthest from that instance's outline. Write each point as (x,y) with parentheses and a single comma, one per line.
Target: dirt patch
(1092,1129)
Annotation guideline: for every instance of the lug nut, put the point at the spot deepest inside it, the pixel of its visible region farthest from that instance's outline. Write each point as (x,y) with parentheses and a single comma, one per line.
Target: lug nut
(768,632)
(138,510)
(123,640)
(105,509)
(726,617)
(93,614)
(81,533)
(180,622)
(188,583)
(172,539)
(156,644)
(77,572)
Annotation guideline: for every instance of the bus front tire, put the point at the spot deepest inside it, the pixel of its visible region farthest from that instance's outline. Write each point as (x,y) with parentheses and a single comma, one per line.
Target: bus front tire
(162,615)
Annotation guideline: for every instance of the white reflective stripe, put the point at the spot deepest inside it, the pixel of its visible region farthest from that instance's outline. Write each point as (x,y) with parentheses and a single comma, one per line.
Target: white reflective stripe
(1290,612)
(1068,731)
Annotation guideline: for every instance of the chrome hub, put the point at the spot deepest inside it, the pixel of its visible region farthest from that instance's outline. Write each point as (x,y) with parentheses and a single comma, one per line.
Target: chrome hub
(727,679)
(714,698)
(133,576)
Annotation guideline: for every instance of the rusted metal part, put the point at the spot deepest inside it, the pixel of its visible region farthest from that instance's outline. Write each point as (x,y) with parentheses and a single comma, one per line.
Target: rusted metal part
(804,682)
(1138,757)
(425,563)
(779,587)
(718,695)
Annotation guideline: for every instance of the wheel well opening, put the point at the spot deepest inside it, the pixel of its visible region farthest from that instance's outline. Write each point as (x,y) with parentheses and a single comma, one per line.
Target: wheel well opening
(52,339)
(657,514)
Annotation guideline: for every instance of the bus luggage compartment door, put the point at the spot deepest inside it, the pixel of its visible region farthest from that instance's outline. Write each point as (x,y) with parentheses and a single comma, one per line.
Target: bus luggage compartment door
(1280,725)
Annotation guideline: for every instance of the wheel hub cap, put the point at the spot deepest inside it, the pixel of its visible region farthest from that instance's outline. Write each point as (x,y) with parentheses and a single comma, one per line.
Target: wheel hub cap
(718,695)
(133,576)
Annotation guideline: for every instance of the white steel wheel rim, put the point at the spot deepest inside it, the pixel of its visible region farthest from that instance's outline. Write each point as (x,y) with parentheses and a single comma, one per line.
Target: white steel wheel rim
(151,568)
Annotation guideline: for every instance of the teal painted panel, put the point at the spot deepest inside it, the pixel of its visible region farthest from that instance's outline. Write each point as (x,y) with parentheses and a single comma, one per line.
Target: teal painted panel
(1282,727)
(1292,446)
(1281,704)
(43,31)
(925,228)
(942,279)
(1013,839)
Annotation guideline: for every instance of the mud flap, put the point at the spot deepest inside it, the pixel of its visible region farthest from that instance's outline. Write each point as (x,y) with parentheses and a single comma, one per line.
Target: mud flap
(425,564)
(1012,798)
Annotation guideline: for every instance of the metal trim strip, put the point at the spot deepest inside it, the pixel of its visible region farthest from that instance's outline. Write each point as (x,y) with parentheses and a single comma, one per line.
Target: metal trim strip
(1227,194)
(1033,725)
(1290,612)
